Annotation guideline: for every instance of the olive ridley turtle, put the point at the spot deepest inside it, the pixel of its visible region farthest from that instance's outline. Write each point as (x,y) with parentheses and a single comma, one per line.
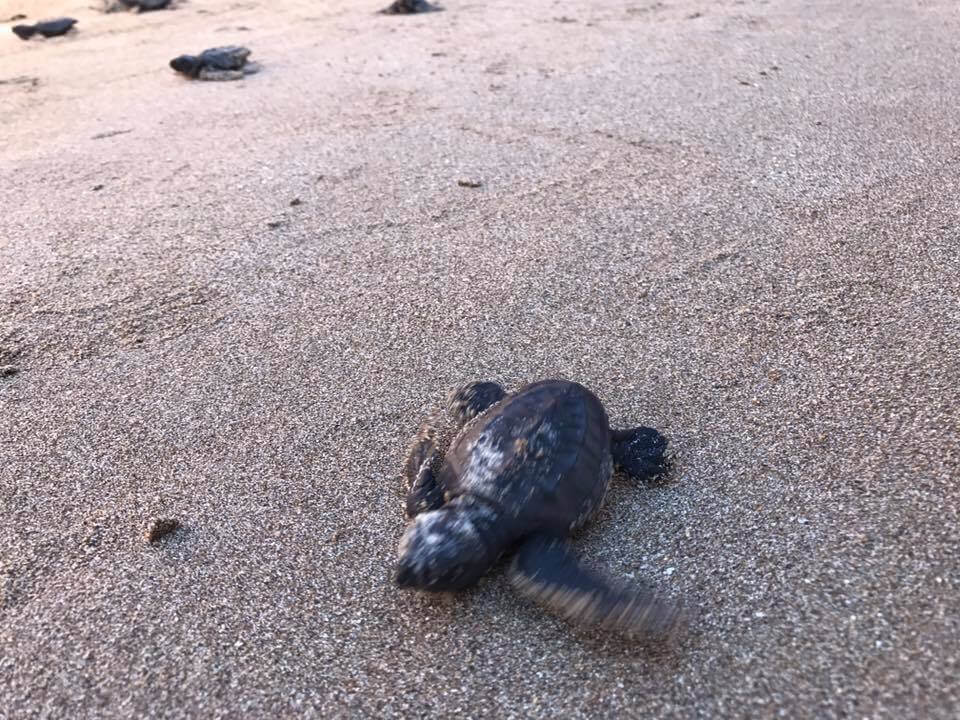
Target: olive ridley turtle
(409,7)
(47,28)
(110,6)
(219,63)
(495,472)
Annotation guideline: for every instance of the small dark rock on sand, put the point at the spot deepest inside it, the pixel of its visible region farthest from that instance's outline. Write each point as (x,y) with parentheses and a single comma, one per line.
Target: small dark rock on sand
(30,82)
(408,7)
(47,28)
(469,183)
(160,528)
(220,63)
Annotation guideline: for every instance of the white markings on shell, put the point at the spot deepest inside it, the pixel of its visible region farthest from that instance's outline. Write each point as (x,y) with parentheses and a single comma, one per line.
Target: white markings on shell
(423,470)
(484,464)
(544,440)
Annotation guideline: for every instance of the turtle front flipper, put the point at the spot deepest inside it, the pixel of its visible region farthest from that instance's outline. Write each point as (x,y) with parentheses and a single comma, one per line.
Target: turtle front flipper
(423,459)
(216,75)
(640,452)
(472,399)
(430,444)
(546,570)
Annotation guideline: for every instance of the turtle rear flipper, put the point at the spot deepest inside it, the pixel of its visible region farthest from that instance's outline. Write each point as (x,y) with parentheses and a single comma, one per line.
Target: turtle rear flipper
(546,570)
(640,452)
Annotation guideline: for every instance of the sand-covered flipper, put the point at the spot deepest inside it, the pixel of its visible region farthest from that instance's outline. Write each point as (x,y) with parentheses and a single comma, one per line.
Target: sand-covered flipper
(546,570)
(423,457)
(472,399)
(639,452)
(429,445)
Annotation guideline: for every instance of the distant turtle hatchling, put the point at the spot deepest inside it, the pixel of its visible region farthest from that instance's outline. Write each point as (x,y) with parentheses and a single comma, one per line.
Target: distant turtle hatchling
(47,28)
(220,63)
(496,472)
(409,7)
(110,6)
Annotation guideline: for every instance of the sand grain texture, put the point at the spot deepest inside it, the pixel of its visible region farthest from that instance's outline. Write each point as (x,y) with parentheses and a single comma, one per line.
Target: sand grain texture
(736,221)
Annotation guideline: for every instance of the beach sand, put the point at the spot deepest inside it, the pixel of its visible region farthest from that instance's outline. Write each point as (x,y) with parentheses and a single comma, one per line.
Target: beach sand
(735,221)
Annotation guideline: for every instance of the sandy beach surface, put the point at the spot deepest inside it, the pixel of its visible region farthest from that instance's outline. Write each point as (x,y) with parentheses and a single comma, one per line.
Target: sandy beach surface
(232,304)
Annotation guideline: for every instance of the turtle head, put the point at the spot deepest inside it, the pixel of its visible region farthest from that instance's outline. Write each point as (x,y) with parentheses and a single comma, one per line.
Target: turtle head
(187,64)
(468,401)
(24,32)
(442,551)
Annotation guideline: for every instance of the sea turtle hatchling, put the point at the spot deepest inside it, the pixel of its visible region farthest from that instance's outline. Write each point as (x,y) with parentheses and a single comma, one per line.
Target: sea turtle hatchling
(495,472)
(220,63)
(110,6)
(47,28)
(409,7)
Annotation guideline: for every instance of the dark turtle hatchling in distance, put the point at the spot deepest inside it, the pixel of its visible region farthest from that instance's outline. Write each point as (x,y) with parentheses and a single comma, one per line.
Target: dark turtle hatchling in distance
(409,7)
(147,5)
(219,63)
(47,28)
(110,6)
